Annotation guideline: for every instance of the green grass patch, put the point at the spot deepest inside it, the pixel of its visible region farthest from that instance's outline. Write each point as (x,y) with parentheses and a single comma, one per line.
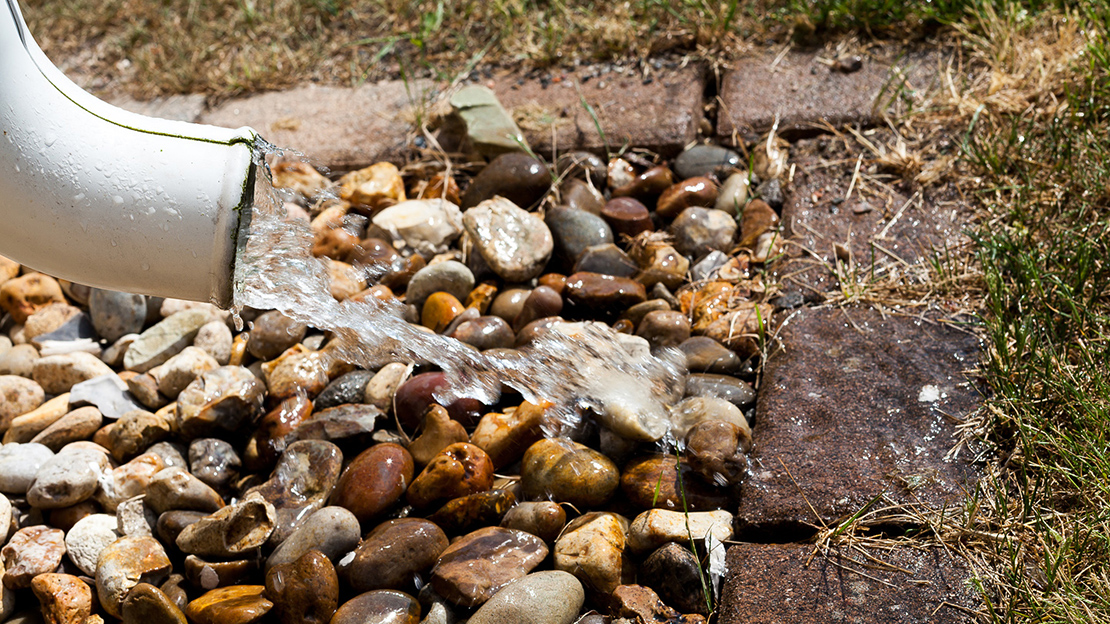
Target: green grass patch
(1045,255)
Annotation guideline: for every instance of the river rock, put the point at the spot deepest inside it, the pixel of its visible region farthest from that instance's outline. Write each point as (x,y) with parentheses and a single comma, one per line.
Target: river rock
(426,226)
(395,553)
(176,489)
(696,191)
(5,518)
(233,530)
(215,339)
(580,195)
(25,427)
(606,259)
(648,184)
(733,194)
(144,388)
(333,531)
(172,523)
(213,573)
(213,461)
(675,573)
(626,216)
(439,432)
(574,231)
(137,430)
(65,599)
(129,480)
(653,482)
(18,395)
(698,231)
(543,519)
(348,388)
(373,187)
(180,370)
(717,450)
(19,360)
(383,606)
(735,391)
(514,243)
(146,604)
(439,310)
(474,568)
(243,604)
(23,296)
(637,603)
(518,177)
(473,511)
(19,463)
(31,551)
(108,393)
(655,527)
(509,302)
(383,385)
(413,398)
(58,373)
(705,355)
(664,328)
(165,339)
(694,410)
(457,470)
(583,165)
(305,591)
(301,483)
(568,472)
(700,160)
(116,314)
(219,401)
(485,332)
(451,277)
(550,597)
(592,547)
(135,518)
(339,423)
(272,333)
(67,478)
(505,437)
(374,481)
(298,370)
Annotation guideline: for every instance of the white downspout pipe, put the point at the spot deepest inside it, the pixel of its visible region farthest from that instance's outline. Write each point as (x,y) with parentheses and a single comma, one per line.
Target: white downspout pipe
(104,197)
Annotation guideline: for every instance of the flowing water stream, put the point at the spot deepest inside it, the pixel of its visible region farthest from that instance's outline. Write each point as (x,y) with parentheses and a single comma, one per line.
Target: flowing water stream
(578,367)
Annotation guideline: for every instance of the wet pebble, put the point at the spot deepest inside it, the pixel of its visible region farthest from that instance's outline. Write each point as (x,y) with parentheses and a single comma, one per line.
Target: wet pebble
(604,292)
(627,216)
(653,481)
(381,606)
(697,191)
(506,436)
(583,165)
(693,410)
(64,598)
(215,573)
(717,450)
(664,328)
(458,470)
(549,597)
(568,472)
(424,226)
(136,431)
(698,231)
(230,531)
(180,370)
(648,184)
(607,259)
(733,194)
(333,531)
(579,195)
(146,604)
(485,332)
(31,551)
(701,160)
(439,310)
(709,356)
(304,591)
(175,489)
(272,333)
(675,573)
(348,388)
(243,604)
(437,433)
(544,519)
(304,478)
(473,511)
(476,566)
(219,401)
(214,462)
(518,177)
(757,218)
(451,277)
(515,244)
(374,481)
(394,554)
(592,548)
(575,230)
(413,398)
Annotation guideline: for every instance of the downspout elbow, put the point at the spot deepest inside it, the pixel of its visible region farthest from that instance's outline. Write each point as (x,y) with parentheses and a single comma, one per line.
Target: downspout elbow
(100,196)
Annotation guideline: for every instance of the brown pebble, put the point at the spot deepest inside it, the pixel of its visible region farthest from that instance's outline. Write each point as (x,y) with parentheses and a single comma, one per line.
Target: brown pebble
(374,481)
(65,599)
(697,191)
(439,310)
(305,591)
(458,470)
(243,604)
(383,606)
(146,604)
(627,216)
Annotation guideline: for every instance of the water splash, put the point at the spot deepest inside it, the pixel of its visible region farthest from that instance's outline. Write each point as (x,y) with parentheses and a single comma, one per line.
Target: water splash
(578,367)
